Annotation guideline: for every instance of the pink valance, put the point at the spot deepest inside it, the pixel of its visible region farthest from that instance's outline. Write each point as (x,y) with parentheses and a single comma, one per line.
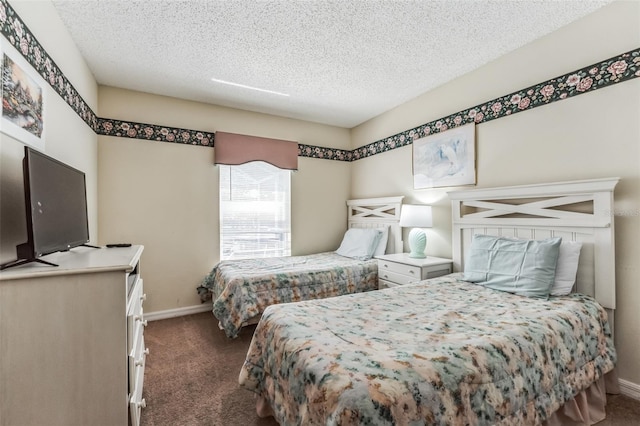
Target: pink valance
(234,149)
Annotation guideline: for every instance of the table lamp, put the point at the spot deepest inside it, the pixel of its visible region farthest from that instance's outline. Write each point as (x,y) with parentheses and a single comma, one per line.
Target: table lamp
(416,217)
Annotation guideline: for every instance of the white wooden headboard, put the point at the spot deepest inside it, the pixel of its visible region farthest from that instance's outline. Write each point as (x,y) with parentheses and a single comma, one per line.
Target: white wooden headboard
(576,211)
(376,213)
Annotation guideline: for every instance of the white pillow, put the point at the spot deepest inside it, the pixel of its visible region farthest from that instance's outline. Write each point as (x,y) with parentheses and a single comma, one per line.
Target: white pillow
(382,244)
(567,268)
(359,243)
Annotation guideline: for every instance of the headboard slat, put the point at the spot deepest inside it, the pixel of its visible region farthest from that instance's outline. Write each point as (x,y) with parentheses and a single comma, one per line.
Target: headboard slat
(375,213)
(577,211)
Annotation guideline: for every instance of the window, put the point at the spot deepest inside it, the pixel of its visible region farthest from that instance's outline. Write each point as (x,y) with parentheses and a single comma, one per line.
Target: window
(255,211)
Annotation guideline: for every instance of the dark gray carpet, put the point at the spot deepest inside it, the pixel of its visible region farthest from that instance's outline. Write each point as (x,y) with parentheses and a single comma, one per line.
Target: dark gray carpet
(191,378)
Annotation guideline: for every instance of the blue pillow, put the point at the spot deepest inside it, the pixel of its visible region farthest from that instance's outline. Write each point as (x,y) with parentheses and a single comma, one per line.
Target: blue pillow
(359,243)
(524,267)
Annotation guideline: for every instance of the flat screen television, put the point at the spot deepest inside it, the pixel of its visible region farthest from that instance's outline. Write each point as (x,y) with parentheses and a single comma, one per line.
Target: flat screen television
(56,208)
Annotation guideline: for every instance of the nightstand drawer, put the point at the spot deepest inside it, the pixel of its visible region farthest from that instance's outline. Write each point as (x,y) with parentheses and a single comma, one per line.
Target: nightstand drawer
(396,278)
(399,268)
(386,284)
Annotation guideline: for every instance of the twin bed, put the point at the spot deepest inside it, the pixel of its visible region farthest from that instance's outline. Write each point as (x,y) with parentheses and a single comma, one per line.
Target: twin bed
(453,352)
(242,289)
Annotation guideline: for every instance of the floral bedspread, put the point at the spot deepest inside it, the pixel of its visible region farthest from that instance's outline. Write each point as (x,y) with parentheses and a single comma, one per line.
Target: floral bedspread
(242,289)
(439,352)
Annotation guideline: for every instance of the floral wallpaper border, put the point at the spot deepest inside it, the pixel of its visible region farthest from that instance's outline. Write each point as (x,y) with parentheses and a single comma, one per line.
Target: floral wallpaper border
(154,132)
(603,74)
(21,38)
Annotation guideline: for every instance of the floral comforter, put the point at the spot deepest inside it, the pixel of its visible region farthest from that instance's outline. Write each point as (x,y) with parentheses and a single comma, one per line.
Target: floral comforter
(439,352)
(242,289)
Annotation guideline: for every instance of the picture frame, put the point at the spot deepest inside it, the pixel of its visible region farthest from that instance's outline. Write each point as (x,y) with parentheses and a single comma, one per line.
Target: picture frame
(22,113)
(447,158)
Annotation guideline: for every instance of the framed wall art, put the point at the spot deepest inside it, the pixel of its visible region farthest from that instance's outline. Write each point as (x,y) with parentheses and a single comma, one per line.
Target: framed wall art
(23,98)
(447,158)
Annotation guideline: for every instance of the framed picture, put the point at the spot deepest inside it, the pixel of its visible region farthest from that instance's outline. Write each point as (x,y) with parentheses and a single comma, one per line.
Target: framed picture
(23,98)
(445,159)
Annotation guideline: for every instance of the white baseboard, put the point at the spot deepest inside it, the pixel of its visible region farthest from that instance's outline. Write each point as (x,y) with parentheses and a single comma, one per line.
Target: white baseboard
(178,312)
(630,389)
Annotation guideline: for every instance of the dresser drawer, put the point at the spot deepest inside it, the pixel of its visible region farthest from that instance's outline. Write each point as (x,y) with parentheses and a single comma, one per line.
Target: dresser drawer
(134,300)
(134,313)
(136,402)
(399,268)
(137,354)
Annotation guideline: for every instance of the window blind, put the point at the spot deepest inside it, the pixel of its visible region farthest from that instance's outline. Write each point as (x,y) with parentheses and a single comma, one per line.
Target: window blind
(255,211)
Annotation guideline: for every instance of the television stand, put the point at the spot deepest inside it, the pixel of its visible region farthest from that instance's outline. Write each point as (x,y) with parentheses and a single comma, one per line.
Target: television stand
(78,326)
(24,256)
(19,262)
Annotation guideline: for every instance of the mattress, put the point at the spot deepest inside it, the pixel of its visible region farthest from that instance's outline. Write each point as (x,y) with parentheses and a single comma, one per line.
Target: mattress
(438,352)
(242,289)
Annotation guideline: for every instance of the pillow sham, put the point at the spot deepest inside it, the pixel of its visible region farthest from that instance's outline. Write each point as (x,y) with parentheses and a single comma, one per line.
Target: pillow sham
(567,268)
(382,244)
(524,267)
(359,243)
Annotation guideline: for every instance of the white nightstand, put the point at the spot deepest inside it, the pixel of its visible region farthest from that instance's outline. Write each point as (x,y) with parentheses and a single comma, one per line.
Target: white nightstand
(399,269)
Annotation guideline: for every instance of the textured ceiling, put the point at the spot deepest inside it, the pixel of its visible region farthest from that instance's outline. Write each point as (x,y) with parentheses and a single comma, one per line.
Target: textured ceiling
(341,62)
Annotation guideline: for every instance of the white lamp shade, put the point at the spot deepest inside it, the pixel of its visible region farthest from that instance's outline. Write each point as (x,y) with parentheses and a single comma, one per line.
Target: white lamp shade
(416,216)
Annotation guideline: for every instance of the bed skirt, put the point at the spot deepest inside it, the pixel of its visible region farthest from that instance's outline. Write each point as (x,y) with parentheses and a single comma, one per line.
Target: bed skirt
(585,409)
(588,407)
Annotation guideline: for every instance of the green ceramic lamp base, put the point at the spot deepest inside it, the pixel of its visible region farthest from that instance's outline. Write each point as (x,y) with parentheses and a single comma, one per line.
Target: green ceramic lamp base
(417,243)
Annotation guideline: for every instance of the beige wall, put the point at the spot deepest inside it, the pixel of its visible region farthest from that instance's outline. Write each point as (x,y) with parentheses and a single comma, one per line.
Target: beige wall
(588,136)
(67,137)
(165,195)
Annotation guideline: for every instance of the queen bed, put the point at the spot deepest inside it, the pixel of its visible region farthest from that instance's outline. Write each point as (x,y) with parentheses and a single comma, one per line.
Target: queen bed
(470,348)
(242,289)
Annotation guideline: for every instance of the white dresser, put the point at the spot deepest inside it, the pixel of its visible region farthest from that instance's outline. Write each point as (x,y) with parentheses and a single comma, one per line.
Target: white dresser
(399,269)
(72,339)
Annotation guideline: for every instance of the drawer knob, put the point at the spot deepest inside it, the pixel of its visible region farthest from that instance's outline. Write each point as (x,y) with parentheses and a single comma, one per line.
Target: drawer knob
(145,322)
(143,297)
(139,362)
(142,404)
(411,272)
(146,351)
(385,265)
